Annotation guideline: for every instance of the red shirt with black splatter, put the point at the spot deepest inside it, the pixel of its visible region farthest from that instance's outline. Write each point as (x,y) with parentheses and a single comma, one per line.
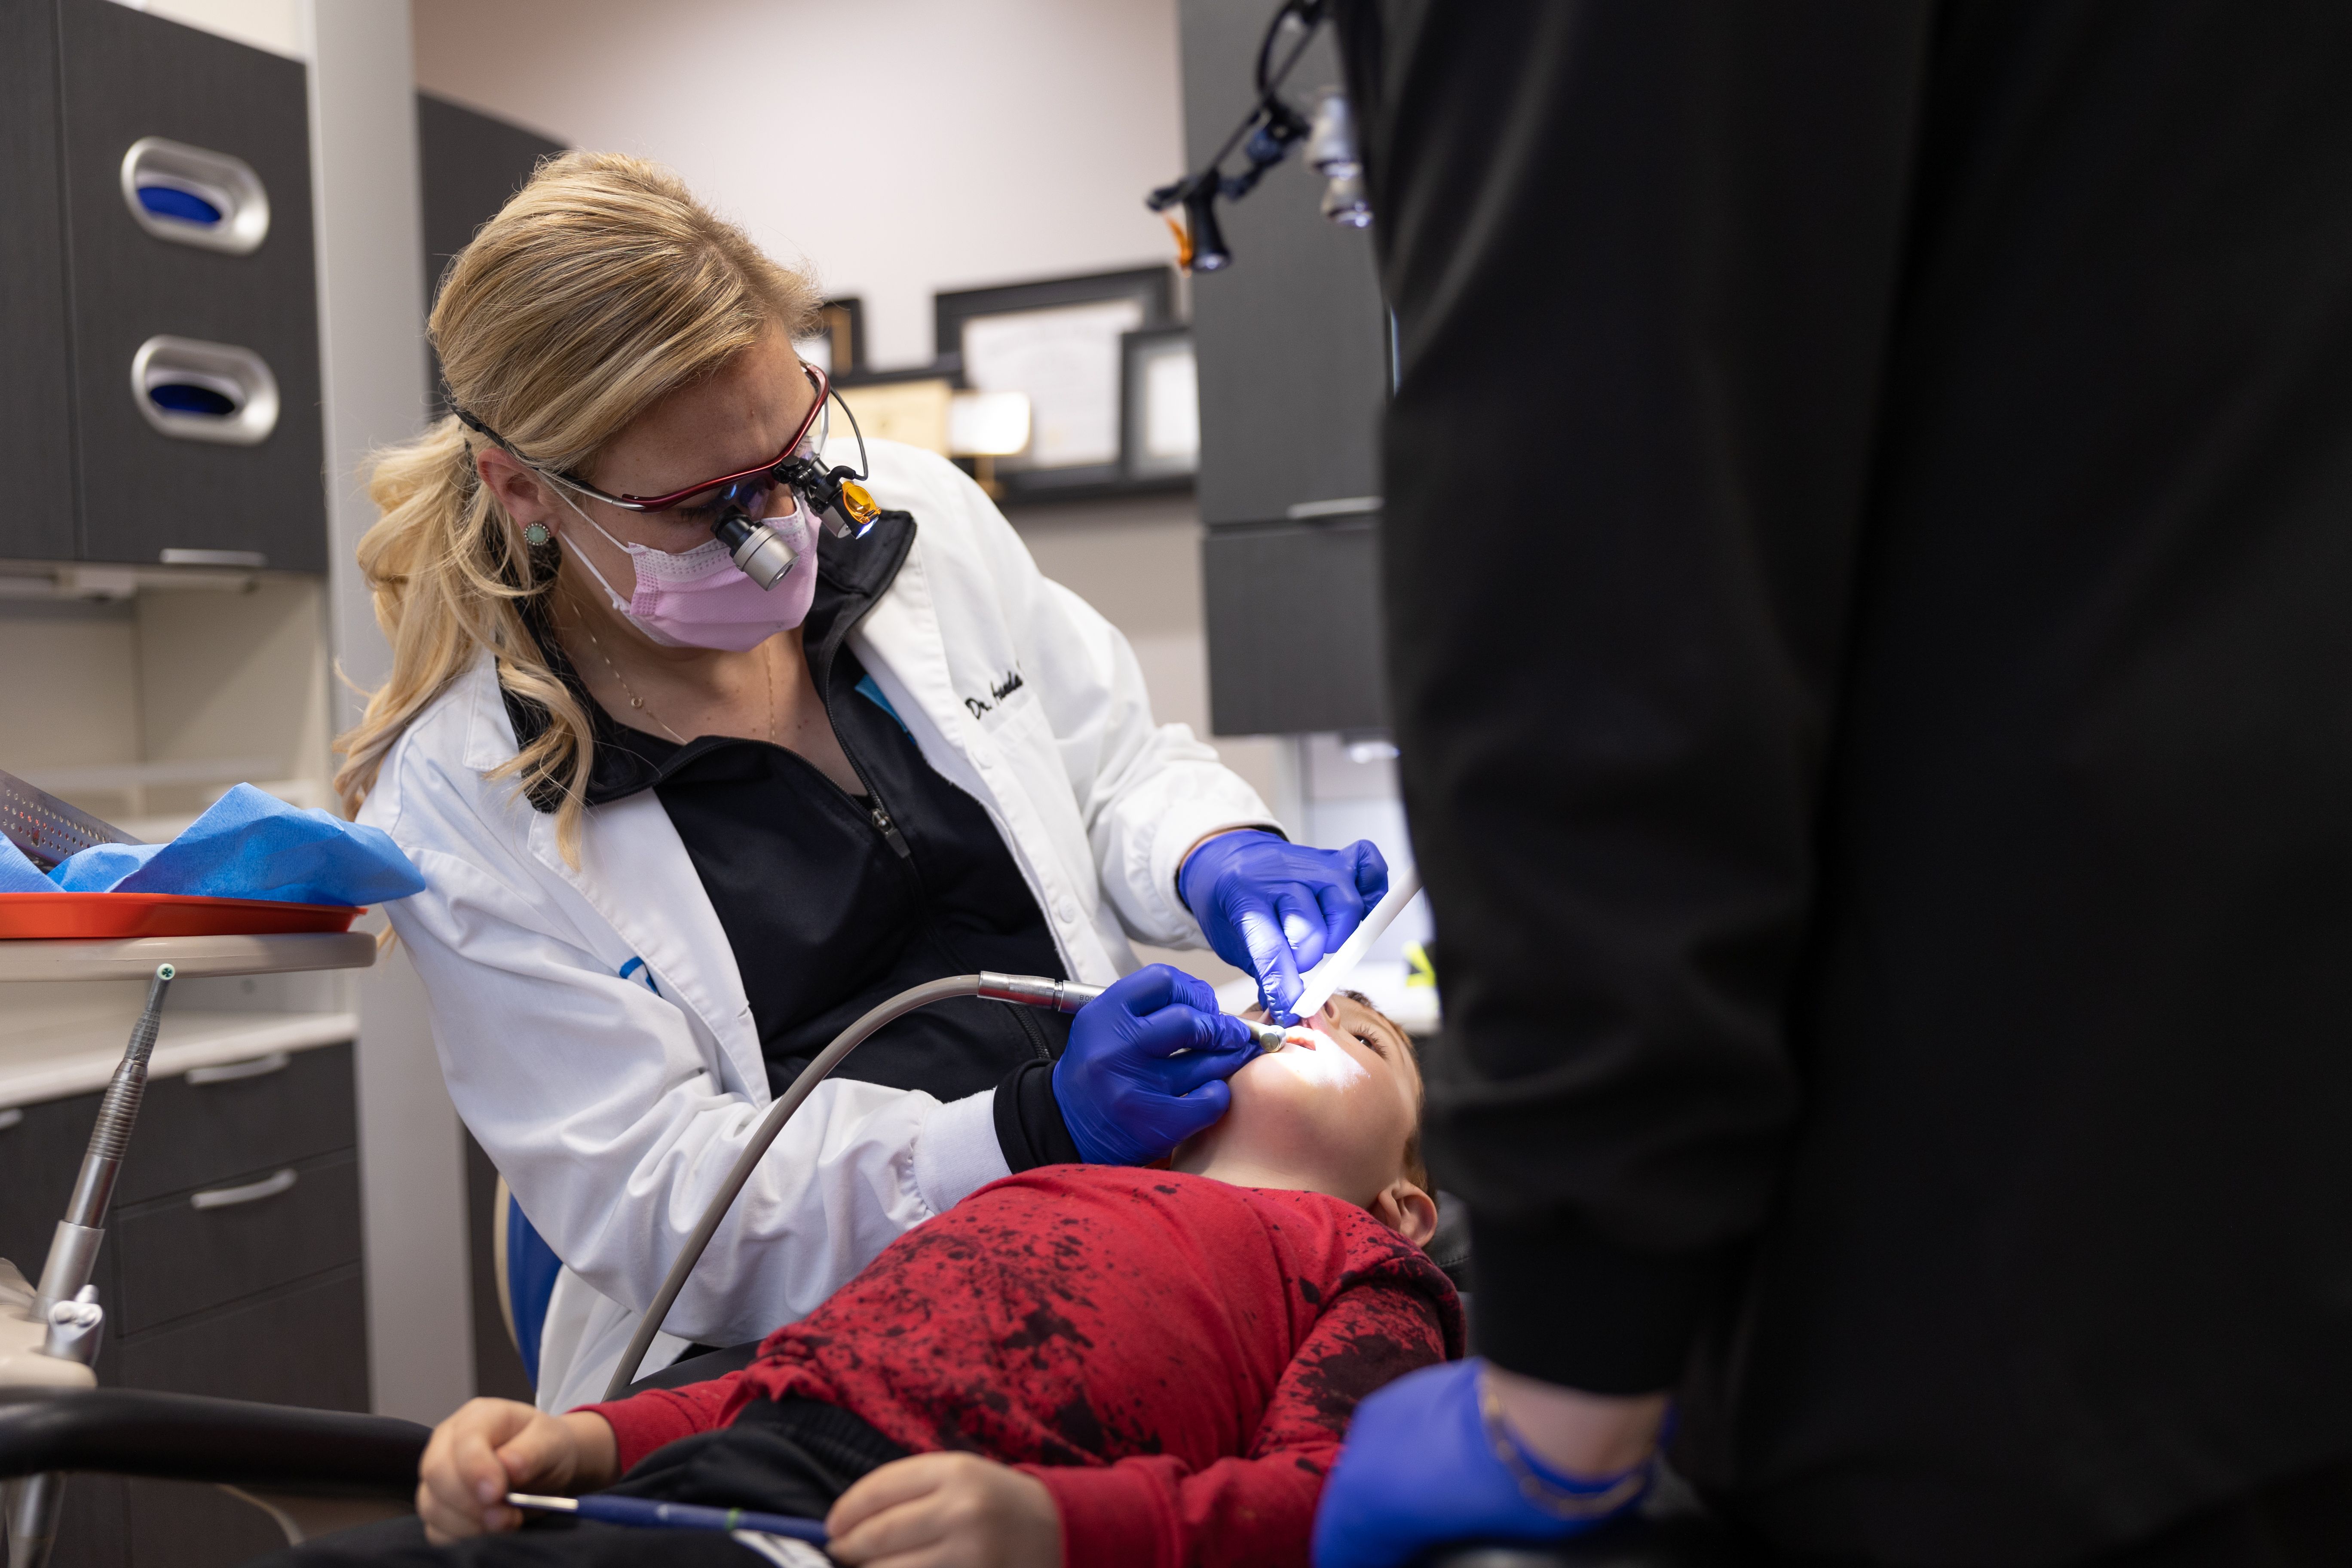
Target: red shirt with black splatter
(1175,1358)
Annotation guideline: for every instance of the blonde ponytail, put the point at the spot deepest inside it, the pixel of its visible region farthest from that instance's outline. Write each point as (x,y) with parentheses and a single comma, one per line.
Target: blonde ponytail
(599,289)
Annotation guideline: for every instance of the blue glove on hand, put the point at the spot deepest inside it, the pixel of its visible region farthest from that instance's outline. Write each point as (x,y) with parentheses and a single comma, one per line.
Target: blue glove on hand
(1129,1097)
(1275,908)
(1420,1470)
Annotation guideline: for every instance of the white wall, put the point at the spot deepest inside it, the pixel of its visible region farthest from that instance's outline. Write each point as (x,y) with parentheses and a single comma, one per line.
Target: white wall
(901,146)
(273,24)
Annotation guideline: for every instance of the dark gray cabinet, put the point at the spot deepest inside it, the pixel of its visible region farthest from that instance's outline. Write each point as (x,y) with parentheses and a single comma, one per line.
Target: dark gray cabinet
(1292,339)
(1264,677)
(37,390)
(468,163)
(231,1267)
(147,491)
(1292,346)
(162,340)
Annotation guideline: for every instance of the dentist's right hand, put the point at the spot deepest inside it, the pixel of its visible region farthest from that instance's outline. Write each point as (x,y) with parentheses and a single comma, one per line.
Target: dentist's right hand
(1126,1093)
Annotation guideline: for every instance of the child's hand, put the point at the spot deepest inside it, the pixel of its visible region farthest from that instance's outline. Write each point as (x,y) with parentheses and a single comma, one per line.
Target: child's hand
(493,1446)
(946,1511)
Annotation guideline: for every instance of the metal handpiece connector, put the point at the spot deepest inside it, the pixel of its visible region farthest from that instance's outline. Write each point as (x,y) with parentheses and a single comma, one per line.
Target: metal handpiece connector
(73,1327)
(1068,996)
(1036,990)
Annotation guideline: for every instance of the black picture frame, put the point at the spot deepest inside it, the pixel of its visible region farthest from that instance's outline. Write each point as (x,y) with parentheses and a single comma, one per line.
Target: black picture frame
(1135,351)
(842,325)
(1152,287)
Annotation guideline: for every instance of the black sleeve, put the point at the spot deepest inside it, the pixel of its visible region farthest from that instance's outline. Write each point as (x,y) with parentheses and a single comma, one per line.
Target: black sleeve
(1641,256)
(1029,1122)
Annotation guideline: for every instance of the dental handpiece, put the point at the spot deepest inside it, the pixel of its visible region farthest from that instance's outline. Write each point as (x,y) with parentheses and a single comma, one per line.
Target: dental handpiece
(1030,990)
(1068,996)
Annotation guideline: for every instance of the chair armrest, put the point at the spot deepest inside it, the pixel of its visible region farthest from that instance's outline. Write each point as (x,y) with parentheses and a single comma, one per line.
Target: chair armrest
(233,1442)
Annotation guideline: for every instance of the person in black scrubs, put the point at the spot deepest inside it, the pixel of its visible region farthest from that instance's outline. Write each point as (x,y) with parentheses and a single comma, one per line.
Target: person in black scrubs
(1869,569)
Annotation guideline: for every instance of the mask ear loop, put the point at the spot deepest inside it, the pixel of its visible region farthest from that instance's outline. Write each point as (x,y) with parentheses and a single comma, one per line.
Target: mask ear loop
(620,605)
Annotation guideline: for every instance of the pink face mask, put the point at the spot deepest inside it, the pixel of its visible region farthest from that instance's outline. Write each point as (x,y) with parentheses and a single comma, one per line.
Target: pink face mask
(702,599)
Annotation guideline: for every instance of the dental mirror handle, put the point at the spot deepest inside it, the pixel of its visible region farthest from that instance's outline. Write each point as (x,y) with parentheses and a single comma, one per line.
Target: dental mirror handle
(1327,977)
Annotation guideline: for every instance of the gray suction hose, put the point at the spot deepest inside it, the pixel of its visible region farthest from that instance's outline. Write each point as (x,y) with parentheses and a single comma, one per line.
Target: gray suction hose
(1034,991)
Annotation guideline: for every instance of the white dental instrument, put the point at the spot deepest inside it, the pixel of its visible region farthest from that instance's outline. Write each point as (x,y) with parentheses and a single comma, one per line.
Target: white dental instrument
(1327,977)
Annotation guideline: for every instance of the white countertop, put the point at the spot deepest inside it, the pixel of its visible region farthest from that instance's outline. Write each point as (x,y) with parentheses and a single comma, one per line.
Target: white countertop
(78,1056)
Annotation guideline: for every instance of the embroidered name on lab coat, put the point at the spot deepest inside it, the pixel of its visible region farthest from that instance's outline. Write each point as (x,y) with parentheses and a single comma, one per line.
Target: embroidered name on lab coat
(1000,691)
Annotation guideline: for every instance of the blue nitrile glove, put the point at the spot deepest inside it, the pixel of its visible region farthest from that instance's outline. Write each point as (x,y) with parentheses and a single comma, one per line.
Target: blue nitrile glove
(251,845)
(1419,1470)
(1275,908)
(1128,1097)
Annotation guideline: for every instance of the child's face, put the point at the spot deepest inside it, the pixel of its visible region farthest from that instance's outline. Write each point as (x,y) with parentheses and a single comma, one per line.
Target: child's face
(1336,1106)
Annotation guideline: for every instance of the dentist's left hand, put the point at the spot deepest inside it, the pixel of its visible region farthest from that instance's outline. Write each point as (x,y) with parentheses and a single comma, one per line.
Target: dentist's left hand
(1275,908)
(1127,1094)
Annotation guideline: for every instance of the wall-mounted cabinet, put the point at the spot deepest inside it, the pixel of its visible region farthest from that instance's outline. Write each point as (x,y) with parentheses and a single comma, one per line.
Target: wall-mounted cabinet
(1264,677)
(160,299)
(36,519)
(468,163)
(1292,347)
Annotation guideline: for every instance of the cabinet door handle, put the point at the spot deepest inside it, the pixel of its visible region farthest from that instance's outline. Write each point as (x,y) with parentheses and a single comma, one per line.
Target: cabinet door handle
(229,1072)
(251,1193)
(195,196)
(10,1117)
(200,391)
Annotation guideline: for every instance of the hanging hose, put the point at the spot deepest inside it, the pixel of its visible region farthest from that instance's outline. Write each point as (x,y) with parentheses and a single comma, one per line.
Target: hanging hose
(1062,996)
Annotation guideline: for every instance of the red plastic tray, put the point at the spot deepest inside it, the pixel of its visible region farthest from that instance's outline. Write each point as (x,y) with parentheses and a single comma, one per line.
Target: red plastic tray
(101,917)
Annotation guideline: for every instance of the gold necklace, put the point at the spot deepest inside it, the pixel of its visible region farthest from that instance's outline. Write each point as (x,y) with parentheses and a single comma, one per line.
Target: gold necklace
(767,666)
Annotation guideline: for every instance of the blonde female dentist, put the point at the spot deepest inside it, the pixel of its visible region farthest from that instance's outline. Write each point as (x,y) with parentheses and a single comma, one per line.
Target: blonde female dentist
(676,828)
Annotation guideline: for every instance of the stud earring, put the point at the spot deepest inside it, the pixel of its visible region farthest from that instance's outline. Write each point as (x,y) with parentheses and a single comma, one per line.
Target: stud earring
(536,535)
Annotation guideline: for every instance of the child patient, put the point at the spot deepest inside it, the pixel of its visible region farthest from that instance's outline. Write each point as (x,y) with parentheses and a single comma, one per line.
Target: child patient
(1079,1364)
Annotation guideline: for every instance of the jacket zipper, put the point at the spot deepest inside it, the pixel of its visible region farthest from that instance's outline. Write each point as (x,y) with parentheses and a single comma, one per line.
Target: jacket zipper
(1028,1026)
(890,829)
(1030,1029)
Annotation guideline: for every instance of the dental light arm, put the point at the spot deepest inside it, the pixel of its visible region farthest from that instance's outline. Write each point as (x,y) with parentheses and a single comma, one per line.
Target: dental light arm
(1266,136)
(1029,990)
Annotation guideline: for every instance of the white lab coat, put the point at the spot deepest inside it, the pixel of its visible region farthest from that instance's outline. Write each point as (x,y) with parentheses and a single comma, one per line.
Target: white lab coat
(615,1106)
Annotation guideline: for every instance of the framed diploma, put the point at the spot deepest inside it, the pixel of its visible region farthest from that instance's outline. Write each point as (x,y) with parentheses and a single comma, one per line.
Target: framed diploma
(1060,343)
